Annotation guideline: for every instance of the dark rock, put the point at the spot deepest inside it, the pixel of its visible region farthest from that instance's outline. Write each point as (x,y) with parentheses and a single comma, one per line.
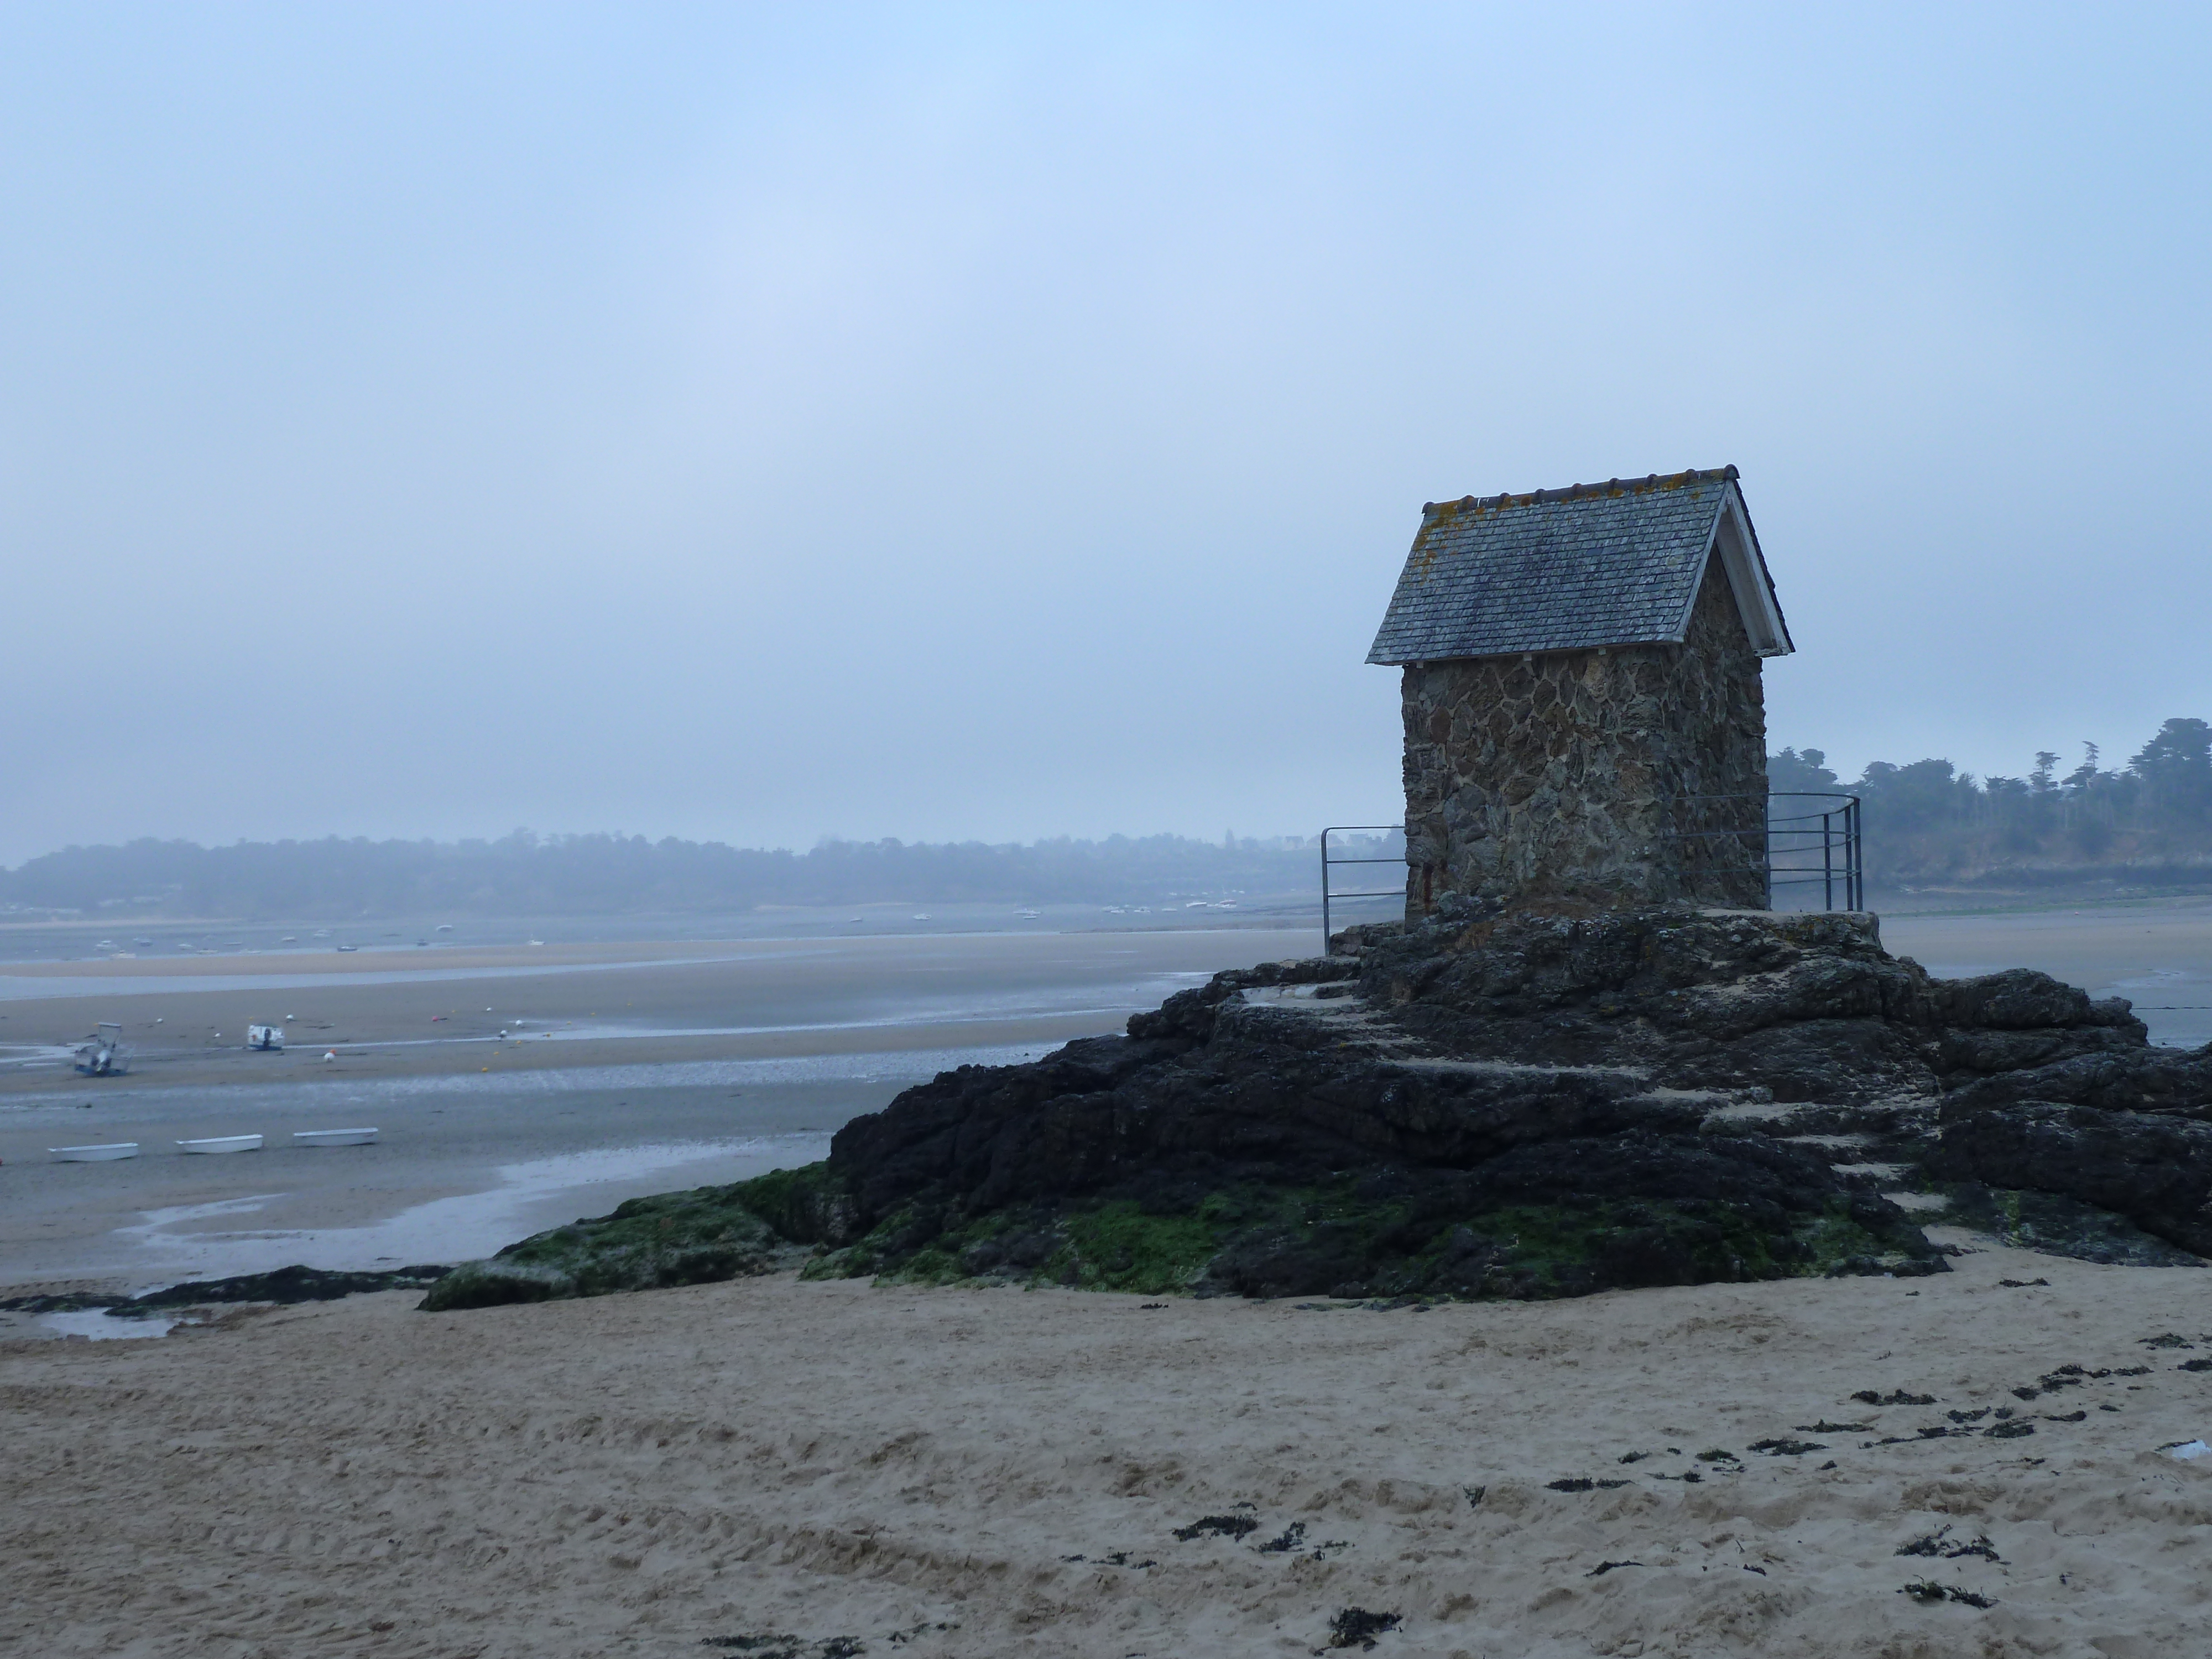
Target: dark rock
(2154,1169)
(283,1285)
(2059,1225)
(289,1285)
(2135,1078)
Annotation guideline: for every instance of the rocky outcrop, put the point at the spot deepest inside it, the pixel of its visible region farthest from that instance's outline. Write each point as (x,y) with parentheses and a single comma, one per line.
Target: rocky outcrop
(2154,1169)
(1807,1006)
(1529,1101)
(1756,1075)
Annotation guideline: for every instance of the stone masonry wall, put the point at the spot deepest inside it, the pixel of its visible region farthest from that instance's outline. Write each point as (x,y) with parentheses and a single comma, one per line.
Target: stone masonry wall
(1569,775)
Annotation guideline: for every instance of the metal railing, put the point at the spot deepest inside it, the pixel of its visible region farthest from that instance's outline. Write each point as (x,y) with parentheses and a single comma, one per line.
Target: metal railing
(1830,834)
(1328,863)
(1816,843)
(1800,846)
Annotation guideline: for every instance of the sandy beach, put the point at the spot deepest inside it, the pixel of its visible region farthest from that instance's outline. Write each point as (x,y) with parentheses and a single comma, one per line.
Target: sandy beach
(1002,1473)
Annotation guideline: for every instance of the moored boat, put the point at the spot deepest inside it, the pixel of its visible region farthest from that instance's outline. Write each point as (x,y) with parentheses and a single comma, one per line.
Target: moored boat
(332,1137)
(223,1144)
(93,1154)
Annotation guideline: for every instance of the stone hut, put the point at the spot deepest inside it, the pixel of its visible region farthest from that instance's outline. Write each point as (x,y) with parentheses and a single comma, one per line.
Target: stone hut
(1583,715)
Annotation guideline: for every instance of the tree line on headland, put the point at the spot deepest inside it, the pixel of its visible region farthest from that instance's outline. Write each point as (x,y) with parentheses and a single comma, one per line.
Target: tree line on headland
(2146,824)
(527,874)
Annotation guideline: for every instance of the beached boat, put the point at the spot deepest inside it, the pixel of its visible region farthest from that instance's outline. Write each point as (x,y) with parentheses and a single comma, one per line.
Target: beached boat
(332,1137)
(267,1038)
(93,1154)
(223,1144)
(104,1053)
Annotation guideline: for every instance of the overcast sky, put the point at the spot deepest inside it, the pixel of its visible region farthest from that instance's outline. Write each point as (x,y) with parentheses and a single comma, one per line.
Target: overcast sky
(947,423)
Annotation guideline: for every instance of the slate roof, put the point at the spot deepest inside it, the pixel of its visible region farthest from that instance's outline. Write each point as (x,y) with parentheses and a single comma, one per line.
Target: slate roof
(1615,563)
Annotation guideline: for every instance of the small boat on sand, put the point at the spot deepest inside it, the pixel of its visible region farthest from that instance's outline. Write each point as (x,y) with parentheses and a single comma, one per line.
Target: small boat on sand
(332,1137)
(93,1154)
(104,1053)
(223,1144)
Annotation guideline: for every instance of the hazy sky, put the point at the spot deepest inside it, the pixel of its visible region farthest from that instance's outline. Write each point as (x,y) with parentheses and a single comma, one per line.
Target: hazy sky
(947,423)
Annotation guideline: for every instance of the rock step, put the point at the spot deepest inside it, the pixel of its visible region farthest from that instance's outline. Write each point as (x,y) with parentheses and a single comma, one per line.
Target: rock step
(1848,1142)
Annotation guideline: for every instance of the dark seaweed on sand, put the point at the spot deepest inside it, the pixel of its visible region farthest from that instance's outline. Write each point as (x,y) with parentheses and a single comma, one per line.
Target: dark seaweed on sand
(1928,1591)
(1936,1543)
(1225,1526)
(1355,1627)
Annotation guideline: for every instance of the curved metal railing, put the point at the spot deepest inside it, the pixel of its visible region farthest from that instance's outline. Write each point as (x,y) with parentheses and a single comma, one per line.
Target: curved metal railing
(1819,842)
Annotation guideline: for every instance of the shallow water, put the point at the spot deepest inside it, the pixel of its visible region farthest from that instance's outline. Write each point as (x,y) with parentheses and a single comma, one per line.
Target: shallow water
(463,1165)
(101,1327)
(179,1243)
(902,1066)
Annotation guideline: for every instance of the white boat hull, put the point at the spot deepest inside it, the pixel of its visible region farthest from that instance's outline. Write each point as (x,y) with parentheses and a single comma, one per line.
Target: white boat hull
(223,1144)
(332,1137)
(93,1154)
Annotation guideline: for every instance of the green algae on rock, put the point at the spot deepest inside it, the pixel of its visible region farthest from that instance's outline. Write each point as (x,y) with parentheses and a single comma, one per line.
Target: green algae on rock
(671,1238)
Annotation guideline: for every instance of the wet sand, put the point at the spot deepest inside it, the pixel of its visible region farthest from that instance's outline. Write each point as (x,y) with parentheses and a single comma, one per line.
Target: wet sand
(963,1472)
(637,1066)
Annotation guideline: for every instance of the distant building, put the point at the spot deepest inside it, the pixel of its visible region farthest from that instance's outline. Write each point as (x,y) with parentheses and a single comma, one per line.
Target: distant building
(1583,713)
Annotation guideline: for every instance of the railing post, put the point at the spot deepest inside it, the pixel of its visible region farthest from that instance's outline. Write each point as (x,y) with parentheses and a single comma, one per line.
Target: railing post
(1827,863)
(1858,857)
(1324,892)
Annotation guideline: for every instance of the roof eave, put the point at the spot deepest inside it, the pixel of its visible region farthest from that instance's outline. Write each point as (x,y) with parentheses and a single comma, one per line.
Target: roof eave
(1757,603)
